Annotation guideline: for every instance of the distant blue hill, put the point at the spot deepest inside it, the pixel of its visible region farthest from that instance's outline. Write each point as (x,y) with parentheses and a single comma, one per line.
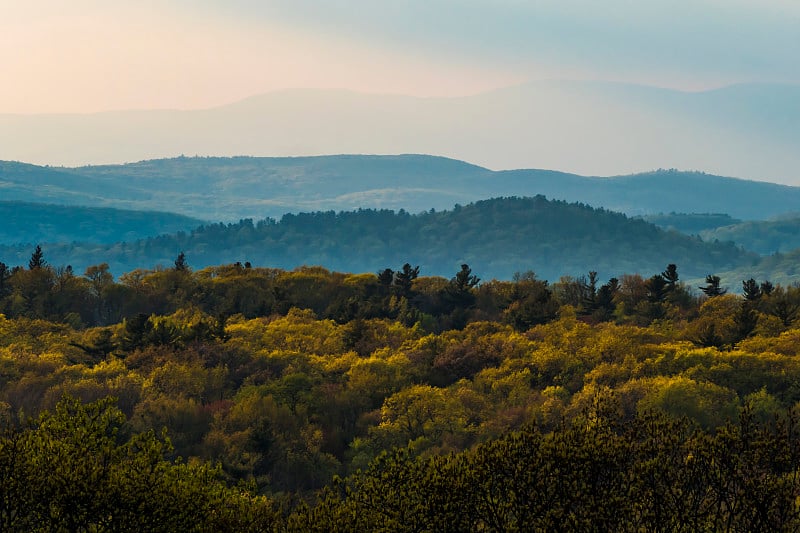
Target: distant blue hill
(764,236)
(584,127)
(228,189)
(28,223)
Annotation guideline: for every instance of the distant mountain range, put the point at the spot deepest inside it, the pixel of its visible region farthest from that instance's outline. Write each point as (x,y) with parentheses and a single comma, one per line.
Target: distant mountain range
(228,189)
(749,131)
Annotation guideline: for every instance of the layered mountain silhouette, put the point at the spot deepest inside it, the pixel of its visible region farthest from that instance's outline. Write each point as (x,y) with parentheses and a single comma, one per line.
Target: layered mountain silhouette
(749,131)
(229,189)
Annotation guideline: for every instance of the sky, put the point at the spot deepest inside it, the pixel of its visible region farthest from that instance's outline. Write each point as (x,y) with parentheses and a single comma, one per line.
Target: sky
(79,56)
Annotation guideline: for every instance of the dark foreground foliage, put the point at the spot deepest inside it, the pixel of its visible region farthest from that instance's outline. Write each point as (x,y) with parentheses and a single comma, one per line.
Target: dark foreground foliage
(73,470)
(597,473)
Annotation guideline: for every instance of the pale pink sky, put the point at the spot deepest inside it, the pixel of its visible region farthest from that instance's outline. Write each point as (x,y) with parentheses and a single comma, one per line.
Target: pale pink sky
(92,55)
(142,57)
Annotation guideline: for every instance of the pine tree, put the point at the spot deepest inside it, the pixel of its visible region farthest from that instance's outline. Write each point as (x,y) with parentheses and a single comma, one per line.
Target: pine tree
(37,259)
(404,278)
(712,287)
(751,290)
(180,262)
(670,275)
(5,274)
(464,280)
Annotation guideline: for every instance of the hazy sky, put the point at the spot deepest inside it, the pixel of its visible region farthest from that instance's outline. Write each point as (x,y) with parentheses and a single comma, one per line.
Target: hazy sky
(95,55)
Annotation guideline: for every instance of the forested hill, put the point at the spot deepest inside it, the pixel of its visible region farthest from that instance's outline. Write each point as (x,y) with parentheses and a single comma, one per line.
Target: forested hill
(228,189)
(763,236)
(25,223)
(496,237)
(692,223)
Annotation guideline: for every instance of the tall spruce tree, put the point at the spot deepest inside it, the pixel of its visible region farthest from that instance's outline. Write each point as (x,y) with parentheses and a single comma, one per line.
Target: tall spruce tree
(37,259)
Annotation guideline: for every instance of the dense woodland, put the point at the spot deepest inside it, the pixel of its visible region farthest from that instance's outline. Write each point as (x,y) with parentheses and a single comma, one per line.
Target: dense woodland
(496,237)
(692,223)
(236,397)
(26,223)
(761,236)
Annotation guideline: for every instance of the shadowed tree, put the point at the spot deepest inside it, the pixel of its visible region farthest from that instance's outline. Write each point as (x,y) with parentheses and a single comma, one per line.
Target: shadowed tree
(532,302)
(605,300)
(745,320)
(37,259)
(784,303)
(464,280)
(657,288)
(589,302)
(5,274)
(670,275)
(385,277)
(712,287)
(135,332)
(767,287)
(673,291)
(403,279)
(751,290)
(180,262)
(458,297)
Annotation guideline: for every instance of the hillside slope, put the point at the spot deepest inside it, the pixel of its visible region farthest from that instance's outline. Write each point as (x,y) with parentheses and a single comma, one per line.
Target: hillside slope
(26,223)
(761,236)
(496,237)
(228,189)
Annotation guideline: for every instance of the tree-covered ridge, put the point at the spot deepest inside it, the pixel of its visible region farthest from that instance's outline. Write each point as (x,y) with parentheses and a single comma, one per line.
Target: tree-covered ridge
(763,236)
(784,268)
(287,379)
(496,237)
(26,223)
(692,223)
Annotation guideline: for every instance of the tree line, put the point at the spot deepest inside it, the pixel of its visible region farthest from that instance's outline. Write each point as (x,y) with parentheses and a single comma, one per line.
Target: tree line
(96,299)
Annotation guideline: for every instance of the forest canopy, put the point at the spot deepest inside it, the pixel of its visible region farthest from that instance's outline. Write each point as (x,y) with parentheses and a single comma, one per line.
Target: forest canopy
(312,399)
(496,237)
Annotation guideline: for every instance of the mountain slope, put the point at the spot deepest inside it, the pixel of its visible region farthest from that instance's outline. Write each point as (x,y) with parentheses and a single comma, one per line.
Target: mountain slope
(496,237)
(764,237)
(782,268)
(27,223)
(691,223)
(583,127)
(229,189)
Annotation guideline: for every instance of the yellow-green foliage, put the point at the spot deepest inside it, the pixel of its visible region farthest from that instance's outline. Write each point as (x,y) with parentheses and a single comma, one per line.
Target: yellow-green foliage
(290,400)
